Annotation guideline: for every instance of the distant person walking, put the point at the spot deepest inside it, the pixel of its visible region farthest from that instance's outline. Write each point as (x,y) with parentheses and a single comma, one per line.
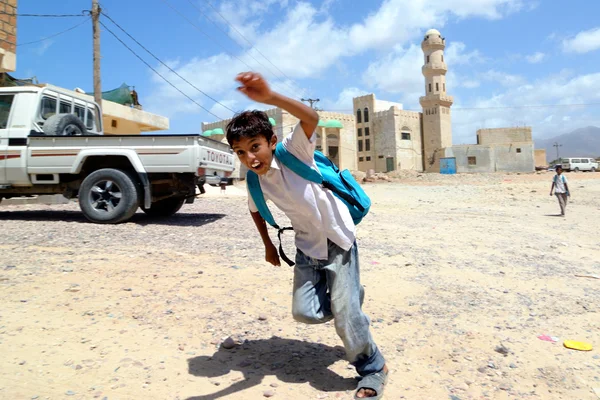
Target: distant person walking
(560,186)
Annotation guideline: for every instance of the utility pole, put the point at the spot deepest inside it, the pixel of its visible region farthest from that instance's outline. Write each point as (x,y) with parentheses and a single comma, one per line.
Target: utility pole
(96,30)
(312,101)
(557,146)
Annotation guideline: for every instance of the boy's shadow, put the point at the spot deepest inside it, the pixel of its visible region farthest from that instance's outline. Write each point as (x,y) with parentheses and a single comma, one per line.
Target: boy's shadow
(291,361)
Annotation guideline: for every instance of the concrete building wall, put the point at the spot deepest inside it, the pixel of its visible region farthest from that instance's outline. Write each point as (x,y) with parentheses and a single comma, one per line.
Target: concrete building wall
(8,36)
(482,158)
(510,157)
(540,158)
(504,135)
(364,131)
(514,157)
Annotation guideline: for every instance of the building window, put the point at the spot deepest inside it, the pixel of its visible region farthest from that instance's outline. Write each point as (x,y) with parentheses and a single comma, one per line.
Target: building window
(405,136)
(430,88)
(379,156)
(367,145)
(361,159)
(367,133)
(472,160)
(358,116)
(444,87)
(518,149)
(366,114)
(427,59)
(360,145)
(368,158)
(437,87)
(359,132)
(113,123)
(442,58)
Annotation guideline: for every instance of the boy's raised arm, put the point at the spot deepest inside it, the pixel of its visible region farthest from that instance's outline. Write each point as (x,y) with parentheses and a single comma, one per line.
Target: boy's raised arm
(256,88)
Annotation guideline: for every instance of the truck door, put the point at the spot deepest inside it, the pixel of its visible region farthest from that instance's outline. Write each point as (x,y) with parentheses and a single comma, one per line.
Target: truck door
(6,101)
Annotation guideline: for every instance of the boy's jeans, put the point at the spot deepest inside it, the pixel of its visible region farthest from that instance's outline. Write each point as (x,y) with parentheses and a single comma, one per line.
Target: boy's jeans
(314,304)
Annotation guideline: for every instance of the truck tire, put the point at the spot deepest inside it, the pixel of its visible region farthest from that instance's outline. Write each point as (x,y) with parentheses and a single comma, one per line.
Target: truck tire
(576,169)
(64,125)
(164,208)
(109,196)
(593,169)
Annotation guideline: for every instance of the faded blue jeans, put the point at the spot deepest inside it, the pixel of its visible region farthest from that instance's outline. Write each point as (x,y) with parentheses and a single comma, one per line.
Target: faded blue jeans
(331,289)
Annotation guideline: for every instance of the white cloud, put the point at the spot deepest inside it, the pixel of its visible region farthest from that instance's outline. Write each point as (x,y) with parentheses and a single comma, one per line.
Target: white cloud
(535,58)
(344,100)
(503,78)
(583,42)
(520,105)
(303,42)
(456,55)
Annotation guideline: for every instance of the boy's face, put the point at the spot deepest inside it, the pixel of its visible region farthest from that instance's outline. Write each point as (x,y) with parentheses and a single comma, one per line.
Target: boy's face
(255,153)
(559,171)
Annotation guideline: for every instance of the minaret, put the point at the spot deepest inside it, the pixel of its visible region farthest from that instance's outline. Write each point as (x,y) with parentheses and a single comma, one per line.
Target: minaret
(437,121)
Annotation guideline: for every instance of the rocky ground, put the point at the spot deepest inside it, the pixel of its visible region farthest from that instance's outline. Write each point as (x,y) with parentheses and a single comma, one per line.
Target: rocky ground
(462,276)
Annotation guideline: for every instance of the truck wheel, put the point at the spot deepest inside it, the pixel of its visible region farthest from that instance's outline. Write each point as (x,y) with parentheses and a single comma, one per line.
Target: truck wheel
(64,125)
(109,196)
(593,169)
(576,169)
(164,208)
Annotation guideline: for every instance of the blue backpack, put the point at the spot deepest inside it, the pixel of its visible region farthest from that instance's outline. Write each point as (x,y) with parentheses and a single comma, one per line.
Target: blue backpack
(341,183)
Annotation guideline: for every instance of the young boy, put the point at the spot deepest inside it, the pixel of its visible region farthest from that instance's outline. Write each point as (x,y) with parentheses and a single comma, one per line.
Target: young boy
(326,276)
(561,189)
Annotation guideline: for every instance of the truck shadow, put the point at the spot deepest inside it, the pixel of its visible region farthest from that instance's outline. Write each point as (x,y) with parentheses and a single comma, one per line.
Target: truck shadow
(289,360)
(180,219)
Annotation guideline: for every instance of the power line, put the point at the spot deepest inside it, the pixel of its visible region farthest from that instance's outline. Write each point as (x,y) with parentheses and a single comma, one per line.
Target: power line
(246,39)
(251,46)
(165,65)
(55,35)
(158,73)
(218,43)
(44,15)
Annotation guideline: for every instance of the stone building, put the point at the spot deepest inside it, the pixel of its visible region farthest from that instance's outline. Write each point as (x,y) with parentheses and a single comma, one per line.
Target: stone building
(8,35)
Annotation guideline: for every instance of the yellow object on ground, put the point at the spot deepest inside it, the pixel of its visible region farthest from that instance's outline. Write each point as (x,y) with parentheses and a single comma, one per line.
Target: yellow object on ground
(575,345)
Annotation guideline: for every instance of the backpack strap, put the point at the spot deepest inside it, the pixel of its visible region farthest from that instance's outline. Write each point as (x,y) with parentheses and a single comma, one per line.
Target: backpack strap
(259,201)
(297,166)
(310,174)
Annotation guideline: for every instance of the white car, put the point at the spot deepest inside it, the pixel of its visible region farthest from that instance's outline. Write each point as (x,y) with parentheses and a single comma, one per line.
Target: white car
(579,164)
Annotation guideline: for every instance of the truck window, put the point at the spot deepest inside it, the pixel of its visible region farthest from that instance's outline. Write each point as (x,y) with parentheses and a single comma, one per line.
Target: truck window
(6,101)
(48,107)
(65,108)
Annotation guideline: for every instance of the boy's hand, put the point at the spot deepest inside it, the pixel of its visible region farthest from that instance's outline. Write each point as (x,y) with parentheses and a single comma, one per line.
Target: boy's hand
(271,255)
(254,86)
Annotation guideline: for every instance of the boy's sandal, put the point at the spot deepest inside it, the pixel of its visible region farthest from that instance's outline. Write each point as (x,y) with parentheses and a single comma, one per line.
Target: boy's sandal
(375,382)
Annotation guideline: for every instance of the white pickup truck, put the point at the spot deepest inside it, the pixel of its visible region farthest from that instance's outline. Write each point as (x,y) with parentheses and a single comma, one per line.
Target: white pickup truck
(52,142)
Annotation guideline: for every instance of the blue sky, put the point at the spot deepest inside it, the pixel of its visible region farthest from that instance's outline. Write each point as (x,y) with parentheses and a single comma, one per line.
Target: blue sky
(500,54)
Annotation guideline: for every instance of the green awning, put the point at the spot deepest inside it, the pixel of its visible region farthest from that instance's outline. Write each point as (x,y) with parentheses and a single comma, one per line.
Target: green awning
(206,133)
(321,123)
(217,131)
(272,121)
(333,123)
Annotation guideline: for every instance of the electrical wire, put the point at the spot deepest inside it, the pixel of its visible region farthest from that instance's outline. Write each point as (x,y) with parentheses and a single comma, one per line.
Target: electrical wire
(222,46)
(240,46)
(165,65)
(158,73)
(55,35)
(44,15)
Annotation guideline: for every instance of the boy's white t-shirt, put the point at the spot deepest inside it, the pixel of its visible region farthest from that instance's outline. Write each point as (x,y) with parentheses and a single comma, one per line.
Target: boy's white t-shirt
(559,183)
(315,213)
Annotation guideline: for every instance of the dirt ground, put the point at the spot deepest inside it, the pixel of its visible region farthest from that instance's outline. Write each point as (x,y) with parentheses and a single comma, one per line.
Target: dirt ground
(462,275)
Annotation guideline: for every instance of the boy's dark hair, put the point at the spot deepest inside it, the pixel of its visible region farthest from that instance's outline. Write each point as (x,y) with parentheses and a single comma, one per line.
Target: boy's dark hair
(558,167)
(249,124)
